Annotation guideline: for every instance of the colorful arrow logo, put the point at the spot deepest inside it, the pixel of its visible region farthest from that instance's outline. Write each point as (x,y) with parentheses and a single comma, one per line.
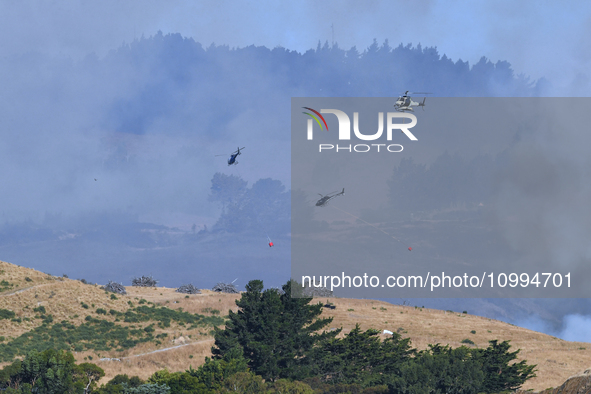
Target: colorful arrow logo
(315,118)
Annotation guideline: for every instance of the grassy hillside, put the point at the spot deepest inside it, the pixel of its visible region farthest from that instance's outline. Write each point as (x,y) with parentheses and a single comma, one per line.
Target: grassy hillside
(154,328)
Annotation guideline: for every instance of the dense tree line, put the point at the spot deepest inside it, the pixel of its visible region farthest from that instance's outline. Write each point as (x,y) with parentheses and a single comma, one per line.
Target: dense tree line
(169,76)
(276,343)
(279,344)
(325,70)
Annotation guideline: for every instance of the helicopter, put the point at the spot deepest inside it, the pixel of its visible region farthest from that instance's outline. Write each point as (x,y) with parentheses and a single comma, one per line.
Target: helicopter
(325,199)
(233,156)
(405,103)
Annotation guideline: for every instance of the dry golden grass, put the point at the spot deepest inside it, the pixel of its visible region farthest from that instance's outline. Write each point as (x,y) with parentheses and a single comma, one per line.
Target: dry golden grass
(556,359)
(137,362)
(144,366)
(64,298)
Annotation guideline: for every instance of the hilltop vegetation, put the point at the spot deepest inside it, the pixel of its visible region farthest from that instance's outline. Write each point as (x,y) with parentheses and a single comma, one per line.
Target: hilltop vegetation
(151,329)
(57,313)
(283,338)
(101,334)
(276,343)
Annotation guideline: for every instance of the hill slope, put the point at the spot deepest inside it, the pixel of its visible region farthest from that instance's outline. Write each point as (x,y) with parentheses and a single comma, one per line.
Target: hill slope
(154,328)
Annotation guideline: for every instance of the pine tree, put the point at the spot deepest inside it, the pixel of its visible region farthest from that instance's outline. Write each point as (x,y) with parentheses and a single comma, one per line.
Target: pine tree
(499,375)
(274,331)
(361,357)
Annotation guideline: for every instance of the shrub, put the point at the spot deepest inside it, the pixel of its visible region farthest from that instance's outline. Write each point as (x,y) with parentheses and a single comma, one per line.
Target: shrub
(114,287)
(144,281)
(210,310)
(225,288)
(5,285)
(6,314)
(40,309)
(188,289)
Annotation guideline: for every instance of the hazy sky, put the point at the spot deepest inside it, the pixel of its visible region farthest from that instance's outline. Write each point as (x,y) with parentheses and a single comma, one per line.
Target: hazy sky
(539,38)
(53,143)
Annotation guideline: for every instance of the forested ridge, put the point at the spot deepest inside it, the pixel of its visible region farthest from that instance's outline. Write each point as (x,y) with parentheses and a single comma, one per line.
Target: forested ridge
(166,75)
(327,70)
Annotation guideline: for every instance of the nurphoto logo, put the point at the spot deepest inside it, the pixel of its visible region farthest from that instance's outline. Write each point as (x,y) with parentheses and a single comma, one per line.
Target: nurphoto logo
(344,131)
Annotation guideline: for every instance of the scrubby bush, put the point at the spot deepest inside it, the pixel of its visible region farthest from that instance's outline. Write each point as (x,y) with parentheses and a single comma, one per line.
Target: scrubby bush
(6,314)
(188,289)
(225,288)
(115,288)
(40,309)
(144,281)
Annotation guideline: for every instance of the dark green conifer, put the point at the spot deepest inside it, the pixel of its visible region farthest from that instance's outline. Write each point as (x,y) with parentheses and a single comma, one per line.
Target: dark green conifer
(274,331)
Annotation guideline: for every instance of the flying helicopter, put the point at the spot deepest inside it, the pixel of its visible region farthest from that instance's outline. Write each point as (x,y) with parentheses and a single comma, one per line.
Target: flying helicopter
(325,199)
(233,156)
(405,102)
